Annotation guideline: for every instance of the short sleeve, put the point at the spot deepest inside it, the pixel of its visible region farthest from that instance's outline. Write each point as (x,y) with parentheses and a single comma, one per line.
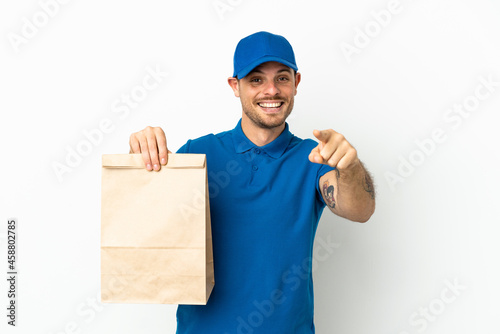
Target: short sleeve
(184,148)
(322,171)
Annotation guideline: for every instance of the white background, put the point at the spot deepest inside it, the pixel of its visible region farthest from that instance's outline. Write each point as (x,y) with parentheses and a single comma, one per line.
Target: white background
(441,224)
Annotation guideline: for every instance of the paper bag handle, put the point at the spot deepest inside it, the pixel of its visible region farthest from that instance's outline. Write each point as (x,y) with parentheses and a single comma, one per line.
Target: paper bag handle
(175,160)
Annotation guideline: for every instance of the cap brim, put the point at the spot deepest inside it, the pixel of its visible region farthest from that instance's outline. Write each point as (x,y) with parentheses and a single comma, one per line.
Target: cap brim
(244,72)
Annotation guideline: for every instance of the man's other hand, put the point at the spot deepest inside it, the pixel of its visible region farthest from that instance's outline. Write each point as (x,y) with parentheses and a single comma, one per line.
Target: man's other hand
(152,144)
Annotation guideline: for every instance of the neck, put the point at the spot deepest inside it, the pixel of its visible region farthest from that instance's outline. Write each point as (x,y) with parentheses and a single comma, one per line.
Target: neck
(258,135)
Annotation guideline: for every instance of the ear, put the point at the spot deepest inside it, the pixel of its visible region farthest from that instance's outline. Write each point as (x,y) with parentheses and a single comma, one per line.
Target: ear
(297,81)
(233,82)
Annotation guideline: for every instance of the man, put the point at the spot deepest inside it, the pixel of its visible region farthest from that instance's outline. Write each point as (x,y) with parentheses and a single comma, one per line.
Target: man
(267,194)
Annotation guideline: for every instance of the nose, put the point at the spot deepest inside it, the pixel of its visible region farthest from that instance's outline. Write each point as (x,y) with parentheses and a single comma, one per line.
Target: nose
(271,88)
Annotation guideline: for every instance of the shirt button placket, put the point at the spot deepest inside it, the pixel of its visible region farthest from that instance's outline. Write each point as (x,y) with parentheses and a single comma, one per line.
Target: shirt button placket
(255,151)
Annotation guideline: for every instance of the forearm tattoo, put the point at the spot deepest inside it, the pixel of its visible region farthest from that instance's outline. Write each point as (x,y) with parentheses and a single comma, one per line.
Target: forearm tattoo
(368,185)
(328,191)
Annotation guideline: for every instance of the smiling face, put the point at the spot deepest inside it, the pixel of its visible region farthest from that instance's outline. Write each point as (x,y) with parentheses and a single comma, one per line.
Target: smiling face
(267,94)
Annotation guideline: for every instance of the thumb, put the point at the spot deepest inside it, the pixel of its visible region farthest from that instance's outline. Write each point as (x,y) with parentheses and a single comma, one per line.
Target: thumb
(315,155)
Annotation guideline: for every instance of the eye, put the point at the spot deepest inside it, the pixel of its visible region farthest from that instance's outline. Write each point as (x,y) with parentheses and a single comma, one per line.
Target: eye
(255,80)
(283,79)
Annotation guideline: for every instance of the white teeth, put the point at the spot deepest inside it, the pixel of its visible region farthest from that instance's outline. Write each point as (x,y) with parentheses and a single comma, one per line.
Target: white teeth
(270,105)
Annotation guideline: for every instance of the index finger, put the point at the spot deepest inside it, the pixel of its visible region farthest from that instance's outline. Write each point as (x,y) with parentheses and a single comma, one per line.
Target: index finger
(163,150)
(322,135)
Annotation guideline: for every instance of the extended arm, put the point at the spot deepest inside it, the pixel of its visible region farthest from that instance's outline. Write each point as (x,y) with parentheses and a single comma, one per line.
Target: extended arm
(348,190)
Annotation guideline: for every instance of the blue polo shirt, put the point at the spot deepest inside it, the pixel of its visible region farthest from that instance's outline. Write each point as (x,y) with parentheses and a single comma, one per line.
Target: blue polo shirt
(265,204)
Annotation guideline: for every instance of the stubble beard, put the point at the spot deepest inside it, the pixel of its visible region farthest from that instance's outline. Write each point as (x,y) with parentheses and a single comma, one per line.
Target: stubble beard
(267,121)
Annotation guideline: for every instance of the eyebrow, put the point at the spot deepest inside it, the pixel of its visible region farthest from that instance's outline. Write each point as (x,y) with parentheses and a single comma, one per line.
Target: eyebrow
(259,71)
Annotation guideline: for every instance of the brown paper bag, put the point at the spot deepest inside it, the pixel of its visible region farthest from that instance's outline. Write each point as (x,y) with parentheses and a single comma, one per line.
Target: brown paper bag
(156,240)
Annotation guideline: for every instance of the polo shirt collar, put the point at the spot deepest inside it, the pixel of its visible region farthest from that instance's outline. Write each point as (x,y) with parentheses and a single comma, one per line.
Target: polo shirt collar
(274,149)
